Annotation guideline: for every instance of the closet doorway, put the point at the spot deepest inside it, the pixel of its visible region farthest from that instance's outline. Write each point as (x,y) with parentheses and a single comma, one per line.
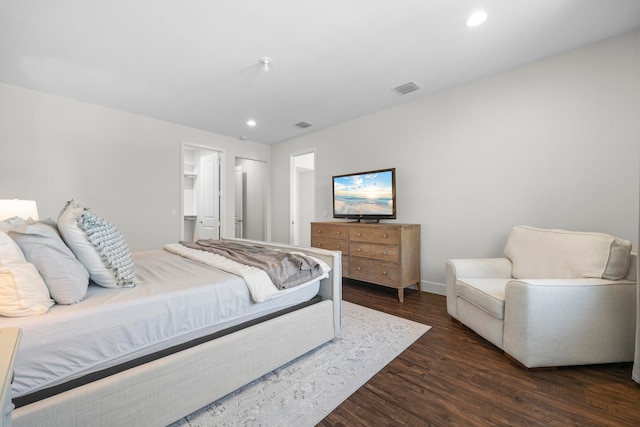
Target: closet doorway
(303,198)
(252,178)
(200,193)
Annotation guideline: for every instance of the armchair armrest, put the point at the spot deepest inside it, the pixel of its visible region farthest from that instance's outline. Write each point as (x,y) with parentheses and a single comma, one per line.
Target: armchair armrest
(559,322)
(632,272)
(475,268)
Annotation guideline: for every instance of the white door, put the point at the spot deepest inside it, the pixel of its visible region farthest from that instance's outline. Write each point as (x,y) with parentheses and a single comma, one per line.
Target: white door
(208,222)
(239,215)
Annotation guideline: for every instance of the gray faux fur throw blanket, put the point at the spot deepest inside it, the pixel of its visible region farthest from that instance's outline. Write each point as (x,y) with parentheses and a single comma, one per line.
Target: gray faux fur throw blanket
(285,269)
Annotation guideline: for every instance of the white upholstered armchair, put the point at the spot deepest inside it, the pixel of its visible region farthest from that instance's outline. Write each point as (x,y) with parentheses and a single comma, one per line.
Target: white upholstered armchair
(558,297)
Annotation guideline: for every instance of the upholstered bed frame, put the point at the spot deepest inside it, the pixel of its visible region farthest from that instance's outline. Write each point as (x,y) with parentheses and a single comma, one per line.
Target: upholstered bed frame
(164,390)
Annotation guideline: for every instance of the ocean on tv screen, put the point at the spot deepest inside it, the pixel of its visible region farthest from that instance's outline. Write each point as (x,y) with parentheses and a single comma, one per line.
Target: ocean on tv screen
(350,205)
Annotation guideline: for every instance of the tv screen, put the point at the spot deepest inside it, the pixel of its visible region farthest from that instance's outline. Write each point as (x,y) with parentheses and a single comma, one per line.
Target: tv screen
(365,195)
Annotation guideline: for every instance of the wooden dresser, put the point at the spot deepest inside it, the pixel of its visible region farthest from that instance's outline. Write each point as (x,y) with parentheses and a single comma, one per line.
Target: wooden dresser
(384,254)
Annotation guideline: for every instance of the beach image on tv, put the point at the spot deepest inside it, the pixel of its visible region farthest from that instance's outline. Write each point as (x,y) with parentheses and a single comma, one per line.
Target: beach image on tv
(366,194)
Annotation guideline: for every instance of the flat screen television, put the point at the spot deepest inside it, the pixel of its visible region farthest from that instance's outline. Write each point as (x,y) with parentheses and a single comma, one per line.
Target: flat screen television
(365,195)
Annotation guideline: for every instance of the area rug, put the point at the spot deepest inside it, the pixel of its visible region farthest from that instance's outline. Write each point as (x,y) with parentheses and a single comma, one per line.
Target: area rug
(307,389)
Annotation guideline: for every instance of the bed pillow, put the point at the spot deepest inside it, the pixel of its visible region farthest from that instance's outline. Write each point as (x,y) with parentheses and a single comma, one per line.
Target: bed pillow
(65,277)
(10,252)
(22,290)
(98,245)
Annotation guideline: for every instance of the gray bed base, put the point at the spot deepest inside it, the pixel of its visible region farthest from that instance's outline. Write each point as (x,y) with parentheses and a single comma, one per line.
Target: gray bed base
(165,390)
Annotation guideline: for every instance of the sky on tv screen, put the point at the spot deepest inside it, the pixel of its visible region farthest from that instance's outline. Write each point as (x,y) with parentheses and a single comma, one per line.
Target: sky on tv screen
(364,194)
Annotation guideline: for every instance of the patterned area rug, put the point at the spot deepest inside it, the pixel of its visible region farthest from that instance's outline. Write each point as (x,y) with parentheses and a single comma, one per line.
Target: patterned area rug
(307,389)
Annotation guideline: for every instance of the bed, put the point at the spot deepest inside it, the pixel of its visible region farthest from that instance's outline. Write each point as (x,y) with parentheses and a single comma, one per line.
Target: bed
(182,369)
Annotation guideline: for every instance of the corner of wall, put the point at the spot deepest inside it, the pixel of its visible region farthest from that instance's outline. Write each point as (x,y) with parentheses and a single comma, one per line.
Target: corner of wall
(433,287)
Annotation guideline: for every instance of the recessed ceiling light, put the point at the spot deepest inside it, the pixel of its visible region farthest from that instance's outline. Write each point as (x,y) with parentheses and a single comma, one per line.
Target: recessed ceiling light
(251,123)
(476,19)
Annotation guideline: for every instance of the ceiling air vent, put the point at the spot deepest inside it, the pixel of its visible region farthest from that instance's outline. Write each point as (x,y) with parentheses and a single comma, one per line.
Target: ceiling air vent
(406,88)
(303,125)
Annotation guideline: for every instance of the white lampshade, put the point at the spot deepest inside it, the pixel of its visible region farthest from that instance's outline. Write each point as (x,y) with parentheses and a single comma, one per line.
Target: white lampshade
(24,209)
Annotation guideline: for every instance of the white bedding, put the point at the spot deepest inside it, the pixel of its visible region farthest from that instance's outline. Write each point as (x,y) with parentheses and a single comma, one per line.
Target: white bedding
(178,300)
(260,285)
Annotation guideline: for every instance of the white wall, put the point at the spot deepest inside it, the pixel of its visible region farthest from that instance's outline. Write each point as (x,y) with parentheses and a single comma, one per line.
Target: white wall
(126,167)
(554,143)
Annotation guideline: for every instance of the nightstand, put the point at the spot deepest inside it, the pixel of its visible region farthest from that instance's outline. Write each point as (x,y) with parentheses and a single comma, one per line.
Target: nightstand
(9,341)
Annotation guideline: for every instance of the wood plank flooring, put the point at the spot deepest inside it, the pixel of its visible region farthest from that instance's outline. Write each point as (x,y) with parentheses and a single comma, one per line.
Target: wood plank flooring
(452,377)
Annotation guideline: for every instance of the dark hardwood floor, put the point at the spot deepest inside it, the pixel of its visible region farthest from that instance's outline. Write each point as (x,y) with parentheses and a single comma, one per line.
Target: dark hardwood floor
(452,377)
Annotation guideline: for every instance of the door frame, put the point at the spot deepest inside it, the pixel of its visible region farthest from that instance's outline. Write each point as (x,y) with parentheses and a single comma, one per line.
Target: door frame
(183,146)
(250,166)
(239,201)
(294,202)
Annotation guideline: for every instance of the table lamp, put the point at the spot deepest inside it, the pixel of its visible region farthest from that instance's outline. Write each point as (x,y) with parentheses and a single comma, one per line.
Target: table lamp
(25,209)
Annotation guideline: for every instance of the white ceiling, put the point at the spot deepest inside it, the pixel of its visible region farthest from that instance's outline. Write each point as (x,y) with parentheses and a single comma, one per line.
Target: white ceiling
(196,62)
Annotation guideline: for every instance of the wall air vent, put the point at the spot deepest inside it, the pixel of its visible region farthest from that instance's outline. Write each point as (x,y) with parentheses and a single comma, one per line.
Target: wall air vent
(303,125)
(406,88)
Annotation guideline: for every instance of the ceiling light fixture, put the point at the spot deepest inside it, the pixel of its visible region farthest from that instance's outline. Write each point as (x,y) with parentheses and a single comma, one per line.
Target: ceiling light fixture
(265,61)
(251,123)
(476,19)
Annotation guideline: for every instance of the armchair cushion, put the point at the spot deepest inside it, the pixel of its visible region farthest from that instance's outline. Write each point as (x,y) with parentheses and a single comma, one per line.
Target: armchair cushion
(559,254)
(486,294)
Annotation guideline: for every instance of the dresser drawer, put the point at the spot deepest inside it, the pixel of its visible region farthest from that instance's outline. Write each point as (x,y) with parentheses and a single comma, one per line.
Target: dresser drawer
(334,245)
(376,234)
(345,265)
(376,251)
(383,273)
(331,244)
(329,231)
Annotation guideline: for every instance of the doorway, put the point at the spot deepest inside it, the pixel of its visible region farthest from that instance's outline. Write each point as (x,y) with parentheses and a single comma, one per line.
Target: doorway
(303,198)
(200,193)
(251,183)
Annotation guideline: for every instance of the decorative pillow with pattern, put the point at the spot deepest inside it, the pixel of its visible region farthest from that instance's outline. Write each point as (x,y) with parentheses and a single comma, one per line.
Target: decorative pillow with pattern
(98,245)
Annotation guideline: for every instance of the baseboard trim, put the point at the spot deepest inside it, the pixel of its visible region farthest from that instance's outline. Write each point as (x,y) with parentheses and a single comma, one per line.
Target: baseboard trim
(433,287)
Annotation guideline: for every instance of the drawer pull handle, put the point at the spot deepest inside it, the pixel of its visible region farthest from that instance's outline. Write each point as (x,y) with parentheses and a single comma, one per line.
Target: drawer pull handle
(384,235)
(338,233)
(359,249)
(359,269)
(338,247)
(359,234)
(384,272)
(385,252)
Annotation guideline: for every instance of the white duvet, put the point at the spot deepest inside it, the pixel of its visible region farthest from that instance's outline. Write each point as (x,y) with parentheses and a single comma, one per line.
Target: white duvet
(178,300)
(260,285)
